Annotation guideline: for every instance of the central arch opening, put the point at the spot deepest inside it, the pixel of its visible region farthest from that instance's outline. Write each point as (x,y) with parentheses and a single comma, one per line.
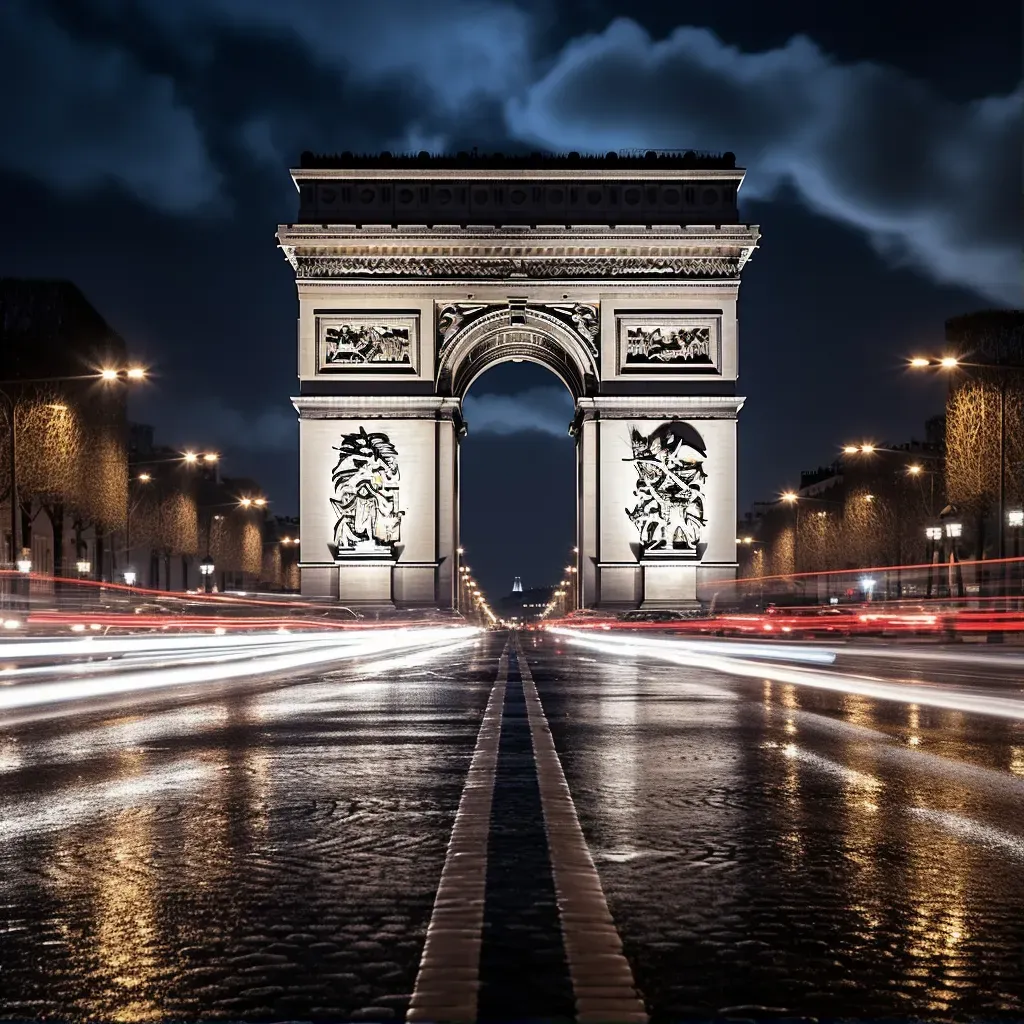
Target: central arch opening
(518,483)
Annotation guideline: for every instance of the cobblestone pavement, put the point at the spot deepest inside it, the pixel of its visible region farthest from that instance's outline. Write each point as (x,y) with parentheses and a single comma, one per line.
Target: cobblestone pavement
(274,850)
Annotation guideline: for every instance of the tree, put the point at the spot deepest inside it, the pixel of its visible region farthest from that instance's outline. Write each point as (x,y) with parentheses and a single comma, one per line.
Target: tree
(973,416)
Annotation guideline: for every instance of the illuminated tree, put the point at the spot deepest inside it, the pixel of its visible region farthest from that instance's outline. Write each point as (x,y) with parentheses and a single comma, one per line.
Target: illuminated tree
(973,416)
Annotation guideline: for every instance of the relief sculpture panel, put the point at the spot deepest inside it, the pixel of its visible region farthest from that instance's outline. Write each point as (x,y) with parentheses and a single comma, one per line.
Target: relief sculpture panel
(367,342)
(365,481)
(669,491)
(659,342)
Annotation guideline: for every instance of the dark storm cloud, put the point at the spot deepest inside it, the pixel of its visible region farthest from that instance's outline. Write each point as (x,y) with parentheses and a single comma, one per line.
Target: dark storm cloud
(928,181)
(925,179)
(459,49)
(79,115)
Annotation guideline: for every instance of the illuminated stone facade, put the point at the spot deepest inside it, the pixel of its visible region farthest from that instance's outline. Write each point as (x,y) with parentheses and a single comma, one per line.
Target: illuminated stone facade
(416,275)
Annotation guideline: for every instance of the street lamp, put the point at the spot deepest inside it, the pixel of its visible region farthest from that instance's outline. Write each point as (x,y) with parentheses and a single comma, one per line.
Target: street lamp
(84,567)
(130,576)
(206,570)
(24,564)
(1015,520)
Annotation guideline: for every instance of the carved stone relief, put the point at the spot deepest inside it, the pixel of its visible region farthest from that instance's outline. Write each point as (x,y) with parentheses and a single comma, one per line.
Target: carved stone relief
(366,487)
(474,267)
(580,317)
(656,341)
(366,341)
(669,511)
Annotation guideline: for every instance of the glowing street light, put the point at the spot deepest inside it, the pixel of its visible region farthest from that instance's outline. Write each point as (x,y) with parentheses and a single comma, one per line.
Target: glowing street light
(789,496)
(944,362)
(144,478)
(130,576)
(206,570)
(1015,517)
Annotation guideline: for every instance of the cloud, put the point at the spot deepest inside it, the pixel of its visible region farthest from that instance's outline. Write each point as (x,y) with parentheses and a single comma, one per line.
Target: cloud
(81,115)
(546,410)
(932,183)
(460,50)
(208,423)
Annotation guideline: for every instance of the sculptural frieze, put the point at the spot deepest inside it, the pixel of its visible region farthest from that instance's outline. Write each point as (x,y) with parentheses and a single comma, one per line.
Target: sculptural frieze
(366,494)
(544,269)
(668,344)
(669,511)
(366,341)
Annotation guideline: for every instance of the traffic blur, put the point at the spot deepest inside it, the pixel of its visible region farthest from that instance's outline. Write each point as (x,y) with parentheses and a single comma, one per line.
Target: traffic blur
(980,600)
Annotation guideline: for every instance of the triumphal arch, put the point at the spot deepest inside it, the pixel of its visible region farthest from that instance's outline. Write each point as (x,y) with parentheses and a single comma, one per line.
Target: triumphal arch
(416,274)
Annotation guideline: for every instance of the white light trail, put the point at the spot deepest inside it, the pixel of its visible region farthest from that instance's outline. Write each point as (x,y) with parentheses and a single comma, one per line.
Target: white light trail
(692,655)
(287,654)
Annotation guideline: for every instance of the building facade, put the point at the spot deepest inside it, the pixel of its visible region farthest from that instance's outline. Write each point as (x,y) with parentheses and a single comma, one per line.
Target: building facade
(415,275)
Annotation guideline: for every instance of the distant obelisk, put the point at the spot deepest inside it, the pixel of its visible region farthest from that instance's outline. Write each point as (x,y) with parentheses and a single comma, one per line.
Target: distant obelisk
(517,586)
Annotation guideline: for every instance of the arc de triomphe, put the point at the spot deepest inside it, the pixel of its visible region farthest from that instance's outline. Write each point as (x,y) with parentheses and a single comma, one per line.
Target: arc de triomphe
(416,274)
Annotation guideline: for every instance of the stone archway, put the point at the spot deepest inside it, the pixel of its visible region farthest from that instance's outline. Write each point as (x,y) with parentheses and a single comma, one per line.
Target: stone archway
(415,276)
(475,336)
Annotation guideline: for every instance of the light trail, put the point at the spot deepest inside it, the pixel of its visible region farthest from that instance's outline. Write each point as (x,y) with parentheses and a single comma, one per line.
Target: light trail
(280,655)
(694,655)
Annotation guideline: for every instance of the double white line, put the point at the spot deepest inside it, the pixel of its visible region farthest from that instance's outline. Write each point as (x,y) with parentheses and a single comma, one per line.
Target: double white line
(448,982)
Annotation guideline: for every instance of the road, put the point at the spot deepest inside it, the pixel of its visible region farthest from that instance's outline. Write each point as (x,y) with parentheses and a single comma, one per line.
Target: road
(531,827)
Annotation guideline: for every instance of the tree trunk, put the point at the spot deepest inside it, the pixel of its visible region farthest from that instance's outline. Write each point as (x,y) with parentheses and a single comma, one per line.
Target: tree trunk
(55,513)
(100,553)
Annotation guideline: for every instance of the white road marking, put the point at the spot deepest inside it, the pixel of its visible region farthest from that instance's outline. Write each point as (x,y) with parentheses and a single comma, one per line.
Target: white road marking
(602,980)
(448,981)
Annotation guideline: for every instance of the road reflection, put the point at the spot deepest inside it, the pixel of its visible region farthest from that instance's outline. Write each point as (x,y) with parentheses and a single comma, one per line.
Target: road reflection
(256,855)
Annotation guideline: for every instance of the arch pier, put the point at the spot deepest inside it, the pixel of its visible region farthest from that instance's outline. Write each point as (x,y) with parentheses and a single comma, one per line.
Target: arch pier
(415,275)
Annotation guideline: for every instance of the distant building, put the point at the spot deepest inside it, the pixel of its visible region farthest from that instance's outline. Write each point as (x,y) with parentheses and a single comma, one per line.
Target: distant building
(71,457)
(524,605)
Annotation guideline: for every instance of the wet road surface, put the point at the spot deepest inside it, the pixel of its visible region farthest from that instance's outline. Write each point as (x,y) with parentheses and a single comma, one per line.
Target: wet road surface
(747,847)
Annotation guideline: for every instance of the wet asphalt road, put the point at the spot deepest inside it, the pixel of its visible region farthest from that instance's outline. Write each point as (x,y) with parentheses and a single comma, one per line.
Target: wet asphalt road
(273,850)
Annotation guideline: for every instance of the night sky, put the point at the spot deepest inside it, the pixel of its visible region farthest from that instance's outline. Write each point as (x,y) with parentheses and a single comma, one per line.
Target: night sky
(145,147)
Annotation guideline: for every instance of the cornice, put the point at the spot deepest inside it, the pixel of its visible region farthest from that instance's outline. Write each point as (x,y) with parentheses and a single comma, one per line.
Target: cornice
(704,407)
(408,407)
(549,253)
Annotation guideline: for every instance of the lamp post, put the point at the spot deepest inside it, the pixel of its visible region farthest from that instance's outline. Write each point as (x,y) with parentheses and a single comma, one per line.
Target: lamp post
(206,570)
(933,535)
(1015,520)
(459,552)
(954,529)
